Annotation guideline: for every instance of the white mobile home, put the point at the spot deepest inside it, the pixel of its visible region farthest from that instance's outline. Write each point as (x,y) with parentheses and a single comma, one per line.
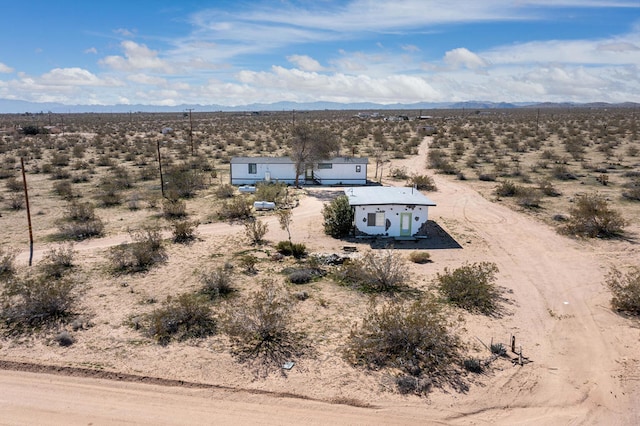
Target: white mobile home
(336,171)
(389,211)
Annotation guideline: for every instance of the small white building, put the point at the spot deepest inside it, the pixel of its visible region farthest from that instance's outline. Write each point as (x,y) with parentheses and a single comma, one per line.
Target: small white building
(389,211)
(336,171)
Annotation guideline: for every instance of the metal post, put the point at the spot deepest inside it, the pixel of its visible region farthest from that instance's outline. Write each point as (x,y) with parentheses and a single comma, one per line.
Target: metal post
(26,197)
(160,167)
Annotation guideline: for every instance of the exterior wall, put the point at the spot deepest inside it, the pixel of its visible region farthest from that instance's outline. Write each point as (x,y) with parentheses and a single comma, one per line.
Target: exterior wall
(392,214)
(281,172)
(342,174)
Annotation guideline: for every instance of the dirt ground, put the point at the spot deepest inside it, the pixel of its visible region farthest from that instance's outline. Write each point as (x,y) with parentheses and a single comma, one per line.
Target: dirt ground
(583,367)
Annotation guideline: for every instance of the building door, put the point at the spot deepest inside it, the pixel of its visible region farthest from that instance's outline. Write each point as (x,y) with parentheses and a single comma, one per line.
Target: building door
(405,224)
(308,172)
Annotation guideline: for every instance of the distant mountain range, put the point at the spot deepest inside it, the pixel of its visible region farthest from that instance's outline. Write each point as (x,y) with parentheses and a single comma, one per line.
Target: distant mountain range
(9,106)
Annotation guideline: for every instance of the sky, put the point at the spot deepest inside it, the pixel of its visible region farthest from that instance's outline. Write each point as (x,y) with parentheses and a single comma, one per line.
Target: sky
(167,52)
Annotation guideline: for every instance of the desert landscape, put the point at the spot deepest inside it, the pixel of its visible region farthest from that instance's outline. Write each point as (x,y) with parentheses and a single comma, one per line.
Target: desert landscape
(552,350)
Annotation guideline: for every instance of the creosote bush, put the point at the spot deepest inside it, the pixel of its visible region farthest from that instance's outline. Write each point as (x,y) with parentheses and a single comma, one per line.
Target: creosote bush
(36,301)
(184,231)
(471,287)
(255,230)
(225,190)
(217,282)
(413,337)
(382,271)
(57,261)
(338,217)
(236,208)
(81,222)
(182,317)
(7,263)
(625,290)
(422,183)
(287,248)
(261,328)
(420,257)
(592,217)
(143,252)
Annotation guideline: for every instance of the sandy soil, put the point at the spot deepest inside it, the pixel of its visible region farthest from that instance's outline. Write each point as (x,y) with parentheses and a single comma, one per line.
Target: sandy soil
(583,368)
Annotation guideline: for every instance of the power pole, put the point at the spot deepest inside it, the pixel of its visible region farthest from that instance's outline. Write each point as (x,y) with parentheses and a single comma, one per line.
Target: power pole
(160,167)
(26,198)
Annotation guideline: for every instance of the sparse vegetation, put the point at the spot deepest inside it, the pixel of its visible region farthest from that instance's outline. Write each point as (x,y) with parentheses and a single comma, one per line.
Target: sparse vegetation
(591,216)
(420,257)
(142,253)
(255,230)
(383,271)
(217,282)
(625,290)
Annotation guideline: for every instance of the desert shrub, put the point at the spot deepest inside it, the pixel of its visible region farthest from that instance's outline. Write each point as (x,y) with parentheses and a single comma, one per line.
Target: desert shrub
(287,248)
(64,338)
(34,301)
(625,290)
(398,173)
(13,184)
(382,271)
(304,275)
(508,189)
(471,287)
(16,201)
(7,263)
(528,197)
(143,252)
(248,263)
(413,337)
(498,349)
(236,208)
(261,328)
(64,189)
(591,216)
(487,177)
(217,282)
(81,222)
(225,191)
(473,365)
(255,230)
(547,188)
(173,209)
(184,231)
(561,172)
(273,192)
(57,261)
(632,190)
(338,217)
(109,194)
(183,317)
(184,181)
(422,182)
(420,257)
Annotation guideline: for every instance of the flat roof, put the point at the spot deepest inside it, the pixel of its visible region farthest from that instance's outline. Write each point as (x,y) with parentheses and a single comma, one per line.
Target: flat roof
(288,160)
(377,195)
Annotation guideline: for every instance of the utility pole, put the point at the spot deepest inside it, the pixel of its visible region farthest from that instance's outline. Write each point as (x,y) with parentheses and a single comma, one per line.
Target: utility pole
(190,130)
(160,167)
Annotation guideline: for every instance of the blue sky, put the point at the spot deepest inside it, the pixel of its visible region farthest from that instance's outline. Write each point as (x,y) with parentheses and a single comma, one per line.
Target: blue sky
(162,52)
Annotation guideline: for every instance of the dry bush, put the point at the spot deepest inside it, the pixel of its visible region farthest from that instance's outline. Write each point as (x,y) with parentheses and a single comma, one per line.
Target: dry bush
(225,191)
(632,190)
(273,192)
(422,183)
(398,173)
(236,208)
(217,282)
(146,250)
(383,271)
(413,337)
(625,290)
(57,261)
(184,231)
(591,216)
(13,184)
(173,209)
(261,328)
(184,181)
(420,257)
(34,301)
(64,189)
(471,287)
(255,230)
(7,263)
(183,317)
(547,188)
(81,222)
(16,201)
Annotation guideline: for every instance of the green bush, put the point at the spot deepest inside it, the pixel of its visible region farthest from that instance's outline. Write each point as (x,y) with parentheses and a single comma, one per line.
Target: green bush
(236,208)
(174,209)
(57,261)
(422,182)
(471,287)
(184,231)
(81,222)
(338,217)
(143,252)
(413,337)
(591,216)
(287,248)
(225,191)
(183,317)
(217,282)
(625,290)
(273,192)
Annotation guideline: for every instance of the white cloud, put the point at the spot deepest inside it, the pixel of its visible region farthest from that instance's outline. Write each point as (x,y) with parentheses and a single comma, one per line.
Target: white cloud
(5,69)
(410,48)
(91,50)
(74,77)
(124,32)
(462,57)
(137,57)
(147,79)
(305,63)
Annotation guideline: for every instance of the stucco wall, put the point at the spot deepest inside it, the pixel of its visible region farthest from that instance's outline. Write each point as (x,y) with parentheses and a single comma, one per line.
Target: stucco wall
(419,216)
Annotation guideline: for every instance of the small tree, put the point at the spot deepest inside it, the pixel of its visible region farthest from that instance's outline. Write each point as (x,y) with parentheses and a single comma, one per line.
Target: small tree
(309,144)
(625,289)
(285,217)
(471,287)
(338,217)
(592,217)
(255,230)
(378,272)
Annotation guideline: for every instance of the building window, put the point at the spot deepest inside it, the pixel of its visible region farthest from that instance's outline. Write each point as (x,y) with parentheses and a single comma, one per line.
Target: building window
(375,219)
(253,168)
(325,166)
(358,169)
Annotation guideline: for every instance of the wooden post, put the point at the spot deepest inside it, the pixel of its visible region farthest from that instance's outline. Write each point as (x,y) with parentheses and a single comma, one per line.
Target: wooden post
(513,344)
(26,197)
(160,167)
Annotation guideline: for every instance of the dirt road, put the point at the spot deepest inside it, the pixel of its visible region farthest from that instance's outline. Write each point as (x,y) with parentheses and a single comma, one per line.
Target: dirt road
(584,367)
